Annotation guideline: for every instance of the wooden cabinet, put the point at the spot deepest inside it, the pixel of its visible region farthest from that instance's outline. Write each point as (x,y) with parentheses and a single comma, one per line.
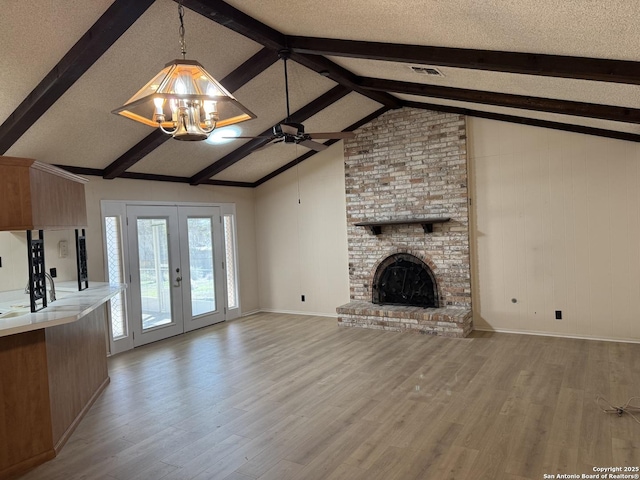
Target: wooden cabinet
(38,196)
(49,378)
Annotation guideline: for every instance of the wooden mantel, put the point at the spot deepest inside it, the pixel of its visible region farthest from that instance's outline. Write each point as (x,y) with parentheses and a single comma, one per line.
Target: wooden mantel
(427,223)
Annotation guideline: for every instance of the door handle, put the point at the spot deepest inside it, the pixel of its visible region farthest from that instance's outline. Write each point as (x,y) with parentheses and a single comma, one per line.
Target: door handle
(178,279)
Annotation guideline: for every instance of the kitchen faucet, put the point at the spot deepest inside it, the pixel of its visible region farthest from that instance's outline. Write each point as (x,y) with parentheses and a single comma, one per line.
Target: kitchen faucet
(52,292)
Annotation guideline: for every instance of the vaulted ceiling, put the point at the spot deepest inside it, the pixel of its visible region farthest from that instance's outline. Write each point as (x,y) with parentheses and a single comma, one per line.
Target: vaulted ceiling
(572,65)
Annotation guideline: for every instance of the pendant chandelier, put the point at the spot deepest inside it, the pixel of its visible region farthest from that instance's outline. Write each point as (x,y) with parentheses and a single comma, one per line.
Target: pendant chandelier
(183,100)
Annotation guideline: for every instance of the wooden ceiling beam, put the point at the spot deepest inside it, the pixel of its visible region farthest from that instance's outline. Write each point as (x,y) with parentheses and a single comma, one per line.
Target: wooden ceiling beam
(232,18)
(564,107)
(250,69)
(232,82)
(136,153)
(320,103)
(228,183)
(566,127)
(311,153)
(152,177)
(342,76)
(317,105)
(97,40)
(597,69)
(171,178)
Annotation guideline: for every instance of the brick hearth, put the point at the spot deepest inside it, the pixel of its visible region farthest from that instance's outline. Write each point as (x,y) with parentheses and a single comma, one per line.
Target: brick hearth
(409,163)
(446,321)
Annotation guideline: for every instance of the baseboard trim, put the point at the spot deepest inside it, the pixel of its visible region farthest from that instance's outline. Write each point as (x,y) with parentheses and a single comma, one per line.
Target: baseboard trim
(295,312)
(252,312)
(559,335)
(19,469)
(65,436)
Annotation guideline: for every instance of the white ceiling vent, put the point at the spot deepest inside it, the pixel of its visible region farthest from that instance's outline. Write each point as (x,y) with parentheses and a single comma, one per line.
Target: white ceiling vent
(431,71)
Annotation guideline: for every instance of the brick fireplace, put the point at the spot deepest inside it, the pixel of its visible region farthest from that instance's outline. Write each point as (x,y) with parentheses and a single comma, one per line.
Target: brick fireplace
(408,165)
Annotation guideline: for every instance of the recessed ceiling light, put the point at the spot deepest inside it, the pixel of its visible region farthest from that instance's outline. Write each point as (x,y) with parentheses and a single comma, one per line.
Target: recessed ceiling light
(224,135)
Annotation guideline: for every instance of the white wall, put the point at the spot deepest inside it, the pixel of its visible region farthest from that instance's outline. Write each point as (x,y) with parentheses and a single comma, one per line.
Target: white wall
(13,250)
(556,226)
(302,248)
(125,189)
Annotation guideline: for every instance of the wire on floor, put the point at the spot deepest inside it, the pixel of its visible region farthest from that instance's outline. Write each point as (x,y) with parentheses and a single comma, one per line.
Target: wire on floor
(627,408)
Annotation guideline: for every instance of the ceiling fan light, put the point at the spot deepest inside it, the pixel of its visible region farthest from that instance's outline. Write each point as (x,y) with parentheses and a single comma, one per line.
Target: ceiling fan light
(224,135)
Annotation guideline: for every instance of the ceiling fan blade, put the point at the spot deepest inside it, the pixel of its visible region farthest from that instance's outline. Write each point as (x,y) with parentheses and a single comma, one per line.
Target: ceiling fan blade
(260,136)
(261,148)
(318,147)
(288,129)
(266,145)
(335,135)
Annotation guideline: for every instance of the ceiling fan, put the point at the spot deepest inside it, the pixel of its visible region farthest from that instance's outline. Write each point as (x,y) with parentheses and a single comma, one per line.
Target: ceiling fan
(293,132)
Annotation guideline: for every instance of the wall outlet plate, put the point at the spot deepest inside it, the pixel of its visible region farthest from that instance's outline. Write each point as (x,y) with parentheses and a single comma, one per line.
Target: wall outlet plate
(63,249)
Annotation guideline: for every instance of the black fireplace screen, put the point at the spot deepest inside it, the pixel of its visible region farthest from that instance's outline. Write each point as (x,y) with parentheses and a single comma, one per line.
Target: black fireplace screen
(403,279)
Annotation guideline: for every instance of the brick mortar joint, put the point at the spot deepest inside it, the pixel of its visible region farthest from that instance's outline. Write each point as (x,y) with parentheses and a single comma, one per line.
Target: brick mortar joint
(409,163)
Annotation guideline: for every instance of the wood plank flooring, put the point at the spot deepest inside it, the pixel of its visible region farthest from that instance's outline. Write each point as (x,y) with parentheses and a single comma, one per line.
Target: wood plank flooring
(284,397)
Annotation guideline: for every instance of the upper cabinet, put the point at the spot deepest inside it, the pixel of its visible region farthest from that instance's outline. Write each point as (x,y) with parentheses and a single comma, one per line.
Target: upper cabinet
(38,196)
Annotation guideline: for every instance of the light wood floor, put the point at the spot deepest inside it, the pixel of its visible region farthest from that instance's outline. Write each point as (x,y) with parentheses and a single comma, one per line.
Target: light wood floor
(288,397)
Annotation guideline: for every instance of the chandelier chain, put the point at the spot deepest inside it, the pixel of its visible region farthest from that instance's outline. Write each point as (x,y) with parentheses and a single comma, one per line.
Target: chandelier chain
(184,100)
(183,44)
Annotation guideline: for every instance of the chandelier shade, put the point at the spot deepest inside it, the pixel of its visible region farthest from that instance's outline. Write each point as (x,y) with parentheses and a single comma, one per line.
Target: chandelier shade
(184,101)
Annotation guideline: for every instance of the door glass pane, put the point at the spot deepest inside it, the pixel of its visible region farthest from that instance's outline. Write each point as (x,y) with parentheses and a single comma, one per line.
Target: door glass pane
(203,298)
(230,256)
(115,275)
(155,282)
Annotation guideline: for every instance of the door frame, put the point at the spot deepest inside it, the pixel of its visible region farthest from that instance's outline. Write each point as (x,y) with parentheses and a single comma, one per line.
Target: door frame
(175,295)
(118,208)
(218,315)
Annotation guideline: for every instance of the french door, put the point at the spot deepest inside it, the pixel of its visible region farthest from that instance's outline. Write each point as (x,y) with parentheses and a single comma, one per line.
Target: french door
(176,270)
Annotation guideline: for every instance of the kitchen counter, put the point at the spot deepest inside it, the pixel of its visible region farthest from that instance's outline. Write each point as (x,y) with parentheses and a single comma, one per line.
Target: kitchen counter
(53,366)
(70,306)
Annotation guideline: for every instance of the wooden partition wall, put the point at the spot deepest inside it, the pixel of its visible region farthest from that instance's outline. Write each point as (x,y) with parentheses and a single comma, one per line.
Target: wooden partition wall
(49,378)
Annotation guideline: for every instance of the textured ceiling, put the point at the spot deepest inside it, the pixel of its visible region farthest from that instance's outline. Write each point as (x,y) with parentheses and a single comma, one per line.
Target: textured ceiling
(589,28)
(336,117)
(535,86)
(34,37)
(552,117)
(79,131)
(264,96)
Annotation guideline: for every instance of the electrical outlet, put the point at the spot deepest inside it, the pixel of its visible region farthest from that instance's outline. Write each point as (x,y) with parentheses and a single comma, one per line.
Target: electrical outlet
(53,272)
(302,298)
(0,262)
(558,314)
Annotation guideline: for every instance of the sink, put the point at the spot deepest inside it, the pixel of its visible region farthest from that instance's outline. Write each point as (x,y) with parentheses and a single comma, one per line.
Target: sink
(14,313)
(21,306)
(14,310)
(65,288)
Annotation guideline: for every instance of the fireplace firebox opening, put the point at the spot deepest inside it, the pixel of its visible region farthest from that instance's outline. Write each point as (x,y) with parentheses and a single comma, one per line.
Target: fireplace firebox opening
(403,279)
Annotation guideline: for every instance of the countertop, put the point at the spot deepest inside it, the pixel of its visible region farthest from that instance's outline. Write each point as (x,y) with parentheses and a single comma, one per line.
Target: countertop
(70,306)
